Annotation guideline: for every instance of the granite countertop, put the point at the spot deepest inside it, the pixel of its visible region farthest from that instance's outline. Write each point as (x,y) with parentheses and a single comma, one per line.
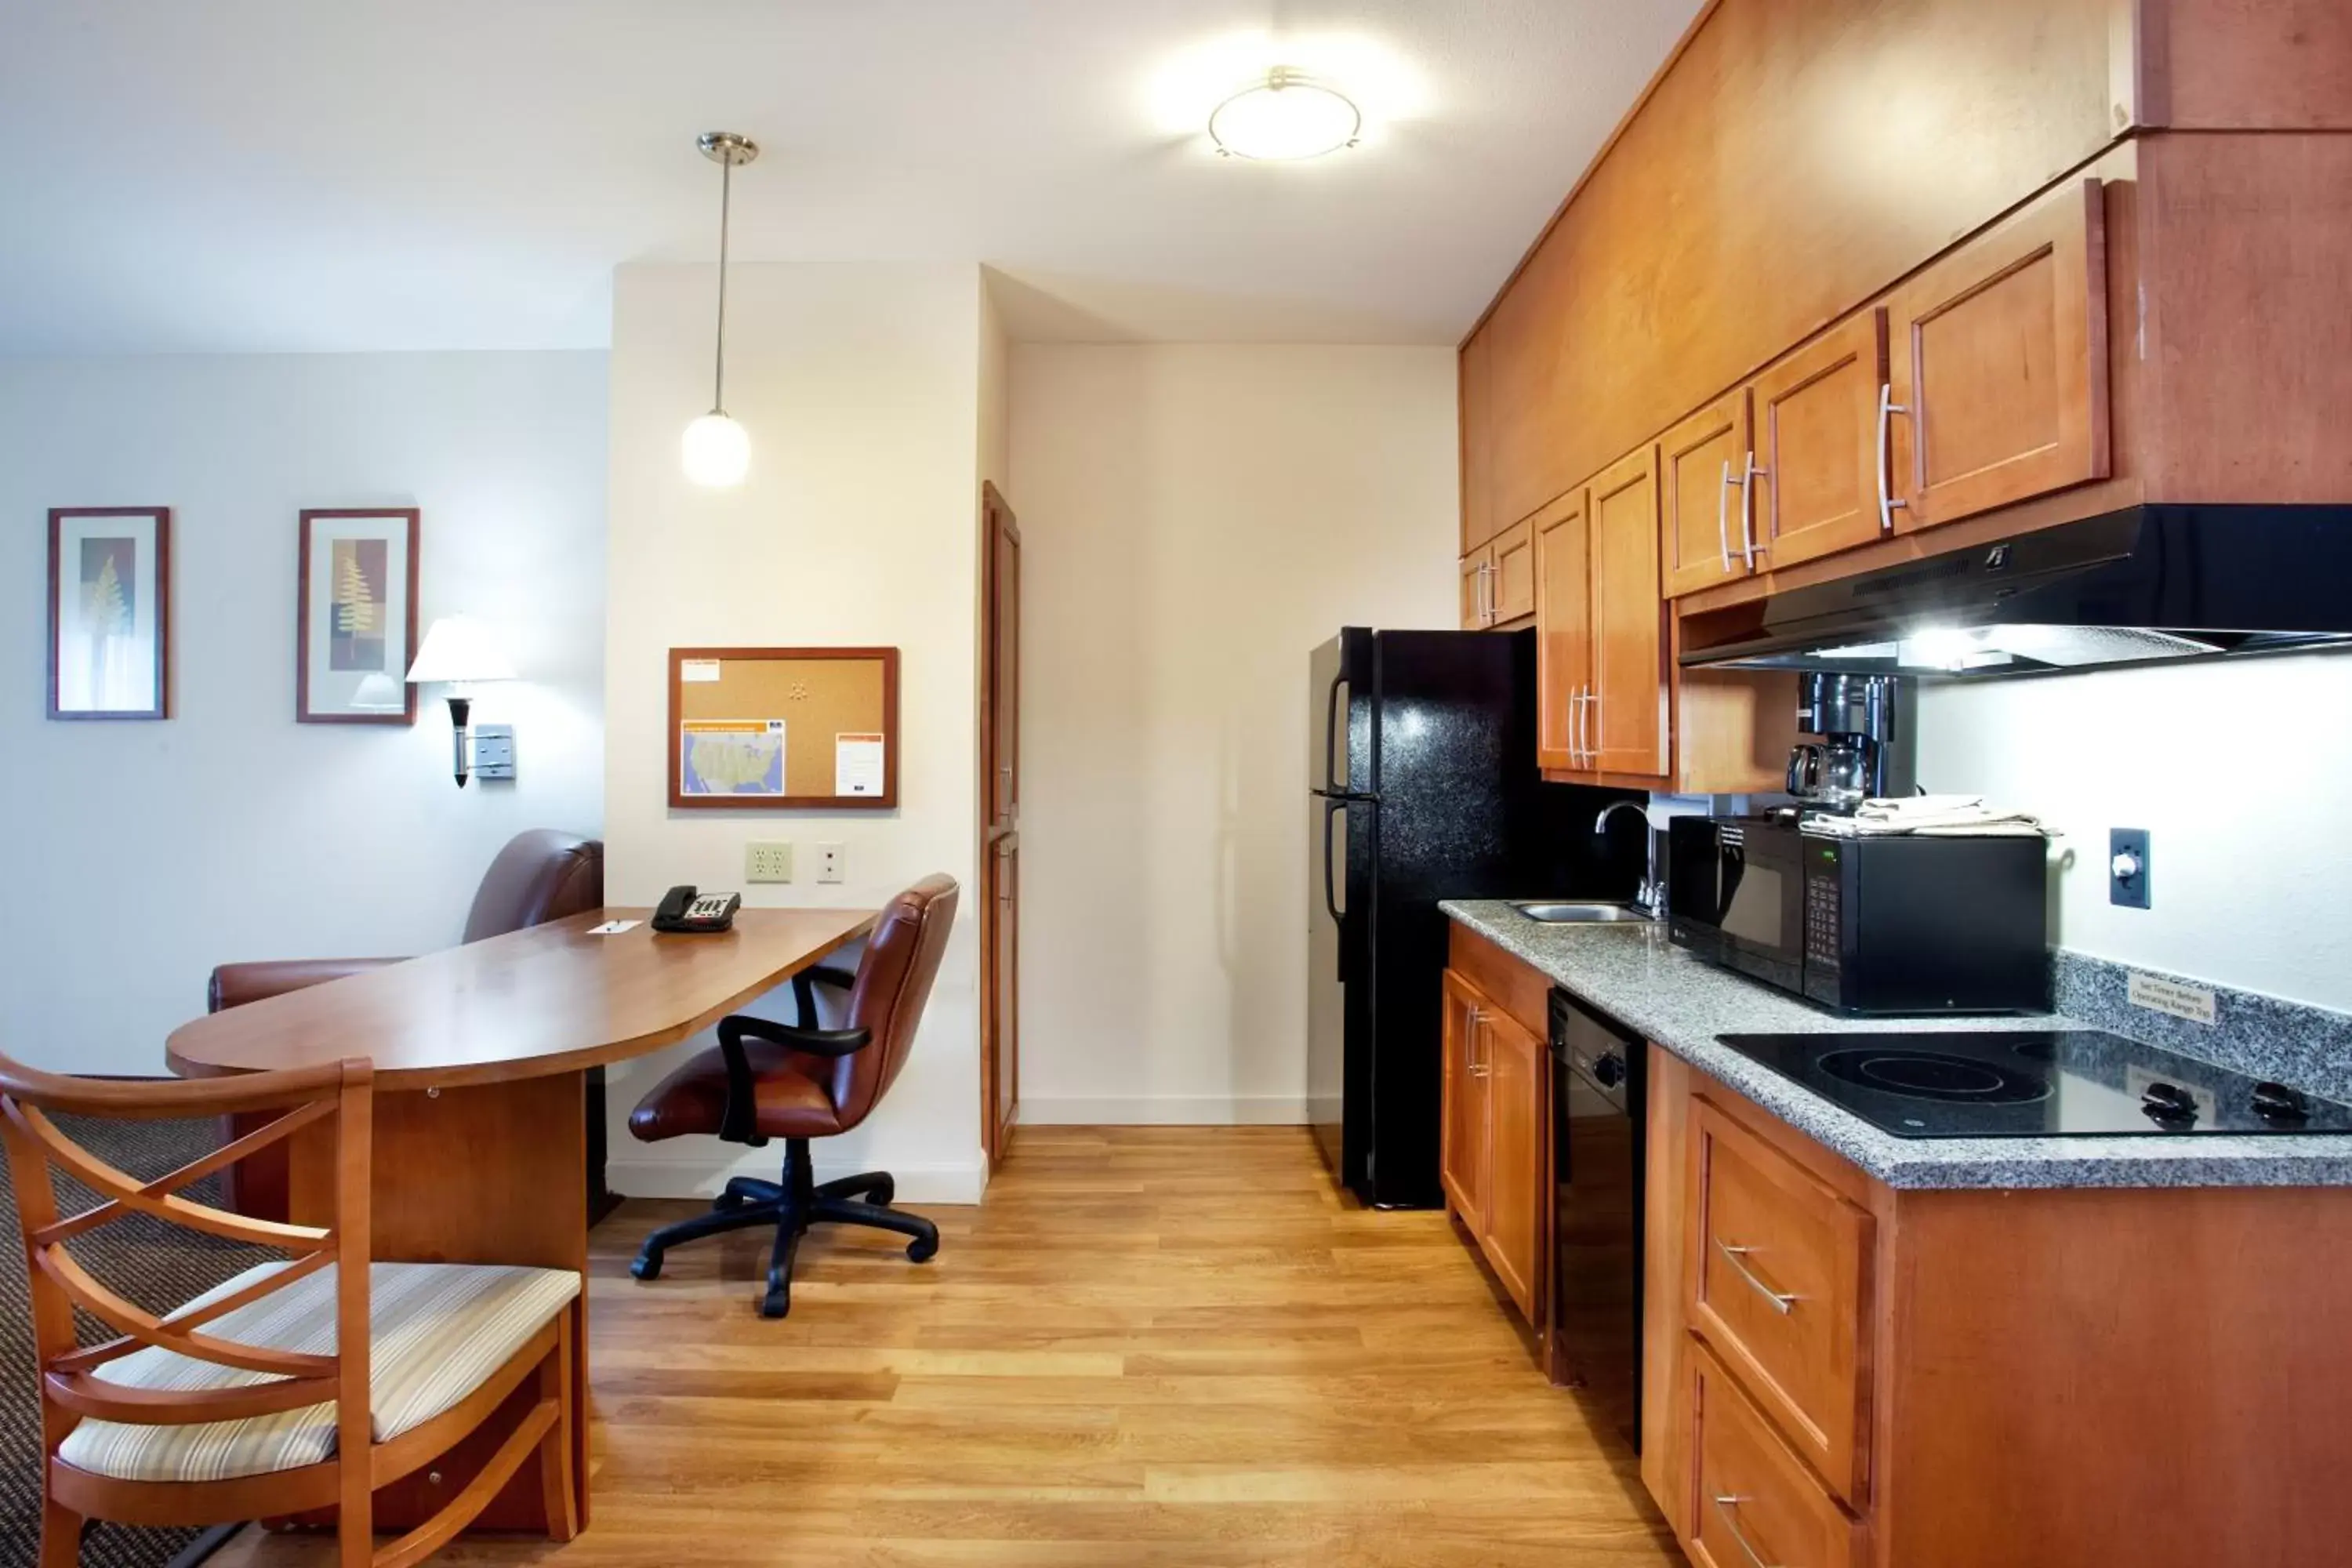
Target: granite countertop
(1633,973)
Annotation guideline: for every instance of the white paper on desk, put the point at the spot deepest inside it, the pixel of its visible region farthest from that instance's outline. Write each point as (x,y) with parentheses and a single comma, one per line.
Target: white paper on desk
(857,765)
(612,927)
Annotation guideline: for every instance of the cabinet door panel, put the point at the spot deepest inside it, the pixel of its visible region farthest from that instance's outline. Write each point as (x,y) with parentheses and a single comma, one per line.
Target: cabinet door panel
(1626,724)
(1477,443)
(1462,1133)
(1752,1500)
(1999,360)
(1513,581)
(1563,631)
(1477,566)
(1703,465)
(1816,491)
(1514,1062)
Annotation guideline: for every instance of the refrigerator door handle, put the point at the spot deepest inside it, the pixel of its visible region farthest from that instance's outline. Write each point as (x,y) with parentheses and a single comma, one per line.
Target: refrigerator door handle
(1332,805)
(1331,784)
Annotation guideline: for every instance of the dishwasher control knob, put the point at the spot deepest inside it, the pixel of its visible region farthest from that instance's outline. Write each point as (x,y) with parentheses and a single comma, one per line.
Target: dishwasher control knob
(1609,1071)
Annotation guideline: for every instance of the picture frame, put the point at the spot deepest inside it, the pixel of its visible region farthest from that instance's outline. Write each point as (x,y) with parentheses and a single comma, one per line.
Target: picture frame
(355,615)
(784,728)
(110,653)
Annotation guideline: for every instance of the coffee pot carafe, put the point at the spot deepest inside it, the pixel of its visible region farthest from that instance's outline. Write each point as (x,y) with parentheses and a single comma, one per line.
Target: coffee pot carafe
(1864,751)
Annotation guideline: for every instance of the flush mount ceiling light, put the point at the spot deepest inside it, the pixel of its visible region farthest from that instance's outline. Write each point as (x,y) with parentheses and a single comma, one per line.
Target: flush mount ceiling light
(715,450)
(1286,116)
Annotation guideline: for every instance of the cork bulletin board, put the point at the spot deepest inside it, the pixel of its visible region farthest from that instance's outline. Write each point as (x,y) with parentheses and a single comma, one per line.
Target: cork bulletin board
(784,728)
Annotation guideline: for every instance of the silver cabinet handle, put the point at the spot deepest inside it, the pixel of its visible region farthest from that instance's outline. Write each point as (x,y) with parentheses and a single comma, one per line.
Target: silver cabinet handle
(1576,727)
(1888,407)
(1583,742)
(1592,728)
(1722,516)
(1747,544)
(1477,1067)
(1782,1302)
(1486,587)
(1726,1505)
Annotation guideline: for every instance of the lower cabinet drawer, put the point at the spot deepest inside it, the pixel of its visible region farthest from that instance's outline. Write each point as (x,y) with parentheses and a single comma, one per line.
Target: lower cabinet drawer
(1753,1502)
(1779,1287)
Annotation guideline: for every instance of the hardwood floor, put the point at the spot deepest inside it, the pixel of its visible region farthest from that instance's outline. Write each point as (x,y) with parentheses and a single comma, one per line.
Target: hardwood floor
(1149,1346)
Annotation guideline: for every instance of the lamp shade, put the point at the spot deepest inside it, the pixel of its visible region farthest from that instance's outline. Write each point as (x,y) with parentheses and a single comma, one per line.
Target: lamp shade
(459,648)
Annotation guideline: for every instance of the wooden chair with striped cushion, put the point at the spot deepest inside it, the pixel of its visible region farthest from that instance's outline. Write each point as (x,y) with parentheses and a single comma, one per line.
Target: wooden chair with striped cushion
(297,1386)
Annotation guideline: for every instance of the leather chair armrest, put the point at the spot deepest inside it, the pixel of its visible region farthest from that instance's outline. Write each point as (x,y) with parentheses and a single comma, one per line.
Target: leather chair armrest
(235,984)
(739,1123)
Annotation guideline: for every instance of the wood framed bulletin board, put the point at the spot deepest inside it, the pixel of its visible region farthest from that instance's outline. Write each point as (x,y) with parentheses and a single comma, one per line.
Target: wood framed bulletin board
(784,728)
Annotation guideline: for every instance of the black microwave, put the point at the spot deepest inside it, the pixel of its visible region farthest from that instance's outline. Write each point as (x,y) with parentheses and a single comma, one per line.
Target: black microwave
(1907,923)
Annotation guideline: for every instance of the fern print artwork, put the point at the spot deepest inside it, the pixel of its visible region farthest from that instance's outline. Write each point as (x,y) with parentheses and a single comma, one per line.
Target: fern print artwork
(355,633)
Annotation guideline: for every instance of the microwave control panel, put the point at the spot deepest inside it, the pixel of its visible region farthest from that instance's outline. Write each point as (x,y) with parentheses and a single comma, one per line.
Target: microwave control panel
(1824,905)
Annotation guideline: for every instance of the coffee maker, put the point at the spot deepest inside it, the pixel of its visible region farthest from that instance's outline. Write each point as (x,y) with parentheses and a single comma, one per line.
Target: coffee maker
(1864,750)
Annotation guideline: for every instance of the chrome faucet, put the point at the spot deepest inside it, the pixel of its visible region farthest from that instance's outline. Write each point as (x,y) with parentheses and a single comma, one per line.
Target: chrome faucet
(1651,896)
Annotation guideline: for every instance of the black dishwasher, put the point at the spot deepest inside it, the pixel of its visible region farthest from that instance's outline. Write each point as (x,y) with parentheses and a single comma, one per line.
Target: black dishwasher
(1598,1115)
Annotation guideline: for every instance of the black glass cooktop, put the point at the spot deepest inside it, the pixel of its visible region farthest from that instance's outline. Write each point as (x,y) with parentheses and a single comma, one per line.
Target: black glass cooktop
(2034,1083)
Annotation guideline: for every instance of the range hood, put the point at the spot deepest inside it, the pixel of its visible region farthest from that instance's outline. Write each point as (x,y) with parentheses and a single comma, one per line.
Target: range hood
(2147,584)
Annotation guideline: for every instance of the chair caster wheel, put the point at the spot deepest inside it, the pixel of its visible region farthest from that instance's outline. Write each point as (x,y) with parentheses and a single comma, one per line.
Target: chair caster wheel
(646,1266)
(922,1249)
(776,1303)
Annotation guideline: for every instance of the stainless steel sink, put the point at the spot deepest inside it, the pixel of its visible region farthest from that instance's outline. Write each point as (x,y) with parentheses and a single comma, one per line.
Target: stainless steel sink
(1584,913)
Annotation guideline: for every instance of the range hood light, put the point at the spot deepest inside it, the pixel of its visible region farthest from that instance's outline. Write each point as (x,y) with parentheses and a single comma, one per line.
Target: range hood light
(1941,648)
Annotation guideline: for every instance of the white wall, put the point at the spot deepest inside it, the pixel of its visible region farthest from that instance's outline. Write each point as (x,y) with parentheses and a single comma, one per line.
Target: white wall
(2238,770)
(139,855)
(858,524)
(1194,519)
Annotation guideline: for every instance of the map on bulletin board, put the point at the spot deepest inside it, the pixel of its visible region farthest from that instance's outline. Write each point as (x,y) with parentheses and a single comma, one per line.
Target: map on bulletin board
(731,756)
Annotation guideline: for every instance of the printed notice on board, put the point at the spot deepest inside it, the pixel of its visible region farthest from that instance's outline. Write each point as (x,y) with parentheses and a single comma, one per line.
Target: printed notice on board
(857,765)
(694,669)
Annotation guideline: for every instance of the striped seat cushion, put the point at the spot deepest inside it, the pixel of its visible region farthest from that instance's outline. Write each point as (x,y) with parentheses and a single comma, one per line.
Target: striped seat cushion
(439,1331)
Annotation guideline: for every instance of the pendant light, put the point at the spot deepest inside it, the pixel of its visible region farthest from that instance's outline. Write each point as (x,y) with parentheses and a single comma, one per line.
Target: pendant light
(715,449)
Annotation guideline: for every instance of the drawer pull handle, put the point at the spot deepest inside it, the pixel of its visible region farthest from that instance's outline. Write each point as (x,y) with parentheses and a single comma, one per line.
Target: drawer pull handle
(1782,1302)
(1725,1505)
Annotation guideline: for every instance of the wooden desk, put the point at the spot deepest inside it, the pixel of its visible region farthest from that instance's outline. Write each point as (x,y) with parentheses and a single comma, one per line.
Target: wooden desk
(480,1139)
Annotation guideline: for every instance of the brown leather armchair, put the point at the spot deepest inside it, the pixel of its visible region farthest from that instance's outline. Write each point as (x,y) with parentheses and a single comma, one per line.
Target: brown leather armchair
(799,1081)
(542,875)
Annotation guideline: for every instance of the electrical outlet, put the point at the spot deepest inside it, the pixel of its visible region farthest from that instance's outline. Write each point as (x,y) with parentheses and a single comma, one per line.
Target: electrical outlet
(770,861)
(829,863)
(2127,868)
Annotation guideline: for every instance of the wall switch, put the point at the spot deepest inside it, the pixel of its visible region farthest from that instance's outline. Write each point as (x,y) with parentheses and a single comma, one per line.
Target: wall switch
(829,863)
(2127,872)
(770,861)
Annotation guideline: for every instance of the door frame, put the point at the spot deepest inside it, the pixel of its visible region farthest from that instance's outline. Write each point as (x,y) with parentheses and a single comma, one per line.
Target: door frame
(1000,1067)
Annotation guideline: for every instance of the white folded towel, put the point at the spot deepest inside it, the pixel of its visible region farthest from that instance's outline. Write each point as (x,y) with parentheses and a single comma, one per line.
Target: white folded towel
(1940,816)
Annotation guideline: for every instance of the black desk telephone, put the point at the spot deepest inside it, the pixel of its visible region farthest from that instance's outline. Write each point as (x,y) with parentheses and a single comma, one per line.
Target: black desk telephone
(683,910)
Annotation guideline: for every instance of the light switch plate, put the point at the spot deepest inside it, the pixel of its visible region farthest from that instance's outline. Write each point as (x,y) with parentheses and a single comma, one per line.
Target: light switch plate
(2130,891)
(829,858)
(768,862)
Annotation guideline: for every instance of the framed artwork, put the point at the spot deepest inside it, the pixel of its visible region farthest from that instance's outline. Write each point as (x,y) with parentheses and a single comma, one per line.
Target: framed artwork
(355,617)
(110,612)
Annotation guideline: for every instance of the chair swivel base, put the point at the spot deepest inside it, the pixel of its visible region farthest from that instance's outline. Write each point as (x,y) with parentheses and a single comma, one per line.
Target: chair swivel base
(791,1206)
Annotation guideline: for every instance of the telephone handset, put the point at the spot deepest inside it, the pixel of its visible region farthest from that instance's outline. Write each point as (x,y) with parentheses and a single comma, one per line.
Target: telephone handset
(683,910)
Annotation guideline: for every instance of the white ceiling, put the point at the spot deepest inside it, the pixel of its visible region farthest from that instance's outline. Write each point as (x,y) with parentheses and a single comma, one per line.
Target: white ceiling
(363,174)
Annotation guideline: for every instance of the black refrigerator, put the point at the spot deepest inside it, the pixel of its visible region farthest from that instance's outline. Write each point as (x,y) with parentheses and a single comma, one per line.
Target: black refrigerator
(1423,785)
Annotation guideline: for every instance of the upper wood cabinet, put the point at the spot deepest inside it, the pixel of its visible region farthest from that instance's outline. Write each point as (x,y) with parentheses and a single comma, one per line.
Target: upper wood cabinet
(1477,413)
(1625,728)
(1999,367)
(1499,579)
(1814,487)
(1563,632)
(1704,463)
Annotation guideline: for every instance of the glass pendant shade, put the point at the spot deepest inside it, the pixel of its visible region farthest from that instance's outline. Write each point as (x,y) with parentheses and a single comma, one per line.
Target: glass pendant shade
(715,451)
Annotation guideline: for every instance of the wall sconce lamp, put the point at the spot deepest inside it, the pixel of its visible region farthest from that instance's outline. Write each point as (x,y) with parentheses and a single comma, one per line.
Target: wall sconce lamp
(459,652)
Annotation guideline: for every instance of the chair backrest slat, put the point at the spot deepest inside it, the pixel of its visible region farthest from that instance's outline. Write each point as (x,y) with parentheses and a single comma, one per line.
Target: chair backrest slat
(128,1193)
(127,1318)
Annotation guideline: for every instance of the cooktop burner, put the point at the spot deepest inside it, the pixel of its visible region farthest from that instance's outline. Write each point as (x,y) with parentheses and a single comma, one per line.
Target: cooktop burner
(2020,1083)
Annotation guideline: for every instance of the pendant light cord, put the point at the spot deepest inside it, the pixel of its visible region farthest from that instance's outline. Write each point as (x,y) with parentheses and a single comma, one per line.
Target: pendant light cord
(718,358)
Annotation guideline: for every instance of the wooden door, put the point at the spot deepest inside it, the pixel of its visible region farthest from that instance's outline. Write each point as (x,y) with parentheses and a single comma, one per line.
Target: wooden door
(1625,721)
(1563,632)
(1515,1061)
(1462,1133)
(1999,364)
(1703,466)
(1477,570)
(999,902)
(1512,583)
(1478,443)
(1816,486)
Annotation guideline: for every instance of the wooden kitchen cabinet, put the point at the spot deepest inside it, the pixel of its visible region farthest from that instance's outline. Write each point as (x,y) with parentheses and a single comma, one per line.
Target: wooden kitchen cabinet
(1477,432)
(1998,365)
(1625,722)
(1499,579)
(1703,464)
(1491,1157)
(1563,570)
(1752,1500)
(1477,568)
(1818,465)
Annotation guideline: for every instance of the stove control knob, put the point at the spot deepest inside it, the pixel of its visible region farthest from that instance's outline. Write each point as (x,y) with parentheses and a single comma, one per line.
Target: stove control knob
(1609,1070)
(2169,1104)
(2282,1106)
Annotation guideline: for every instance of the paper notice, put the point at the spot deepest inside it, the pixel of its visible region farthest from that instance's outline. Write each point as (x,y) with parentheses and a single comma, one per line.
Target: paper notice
(2194,1003)
(612,927)
(857,765)
(698,669)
